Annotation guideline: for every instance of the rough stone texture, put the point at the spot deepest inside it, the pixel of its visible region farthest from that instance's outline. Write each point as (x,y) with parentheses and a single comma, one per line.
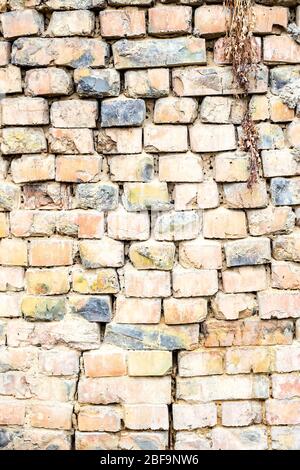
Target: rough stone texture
(149,298)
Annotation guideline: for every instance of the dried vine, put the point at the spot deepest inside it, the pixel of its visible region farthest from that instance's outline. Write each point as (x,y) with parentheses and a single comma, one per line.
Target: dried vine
(241,51)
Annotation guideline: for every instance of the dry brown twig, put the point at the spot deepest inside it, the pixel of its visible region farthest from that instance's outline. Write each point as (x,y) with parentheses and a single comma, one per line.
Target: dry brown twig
(241,51)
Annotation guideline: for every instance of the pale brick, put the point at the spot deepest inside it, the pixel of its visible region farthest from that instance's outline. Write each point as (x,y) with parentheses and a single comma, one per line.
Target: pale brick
(11,278)
(4,225)
(74,113)
(152,83)
(194,416)
(152,255)
(248,252)
(208,195)
(168,20)
(35,308)
(200,254)
(189,440)
(144,196)
(128,22)
(222,110)
(123,225)
(200,362)
(233,306)
(12,413)
(259,107)
(183,225)
(285,275)
(146,284)
(224,223)
(131,310)
(22,23)
(30,168)
(279,111)
(149,363)
(153,417)
(24,111)
(158,52)
(58,416)
(285,437)
(92,308)
(212,138)
(13,252)
(4,53)
(287,358)
(48,82)
(194,283)
(183,311)
(239,195)
(114,140)
(57,362)
(270,136)
(87,441)
(71,23)
(246,360)
(10,80)
(279,304)
(51,252)
(268,19)
(25,223)
(244,279)
(244,413)
(286,247)
(283,412)
(23,140)
(222,388)
(185,196)
(180,168)
(165,138)
(9,196)
(286,386)
(293,133)
(281,49)
(10,305)
(279,163)
(96,281)
(231,167)
(101,253)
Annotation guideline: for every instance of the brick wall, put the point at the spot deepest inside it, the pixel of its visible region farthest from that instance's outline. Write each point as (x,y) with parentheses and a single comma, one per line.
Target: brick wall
(149,299)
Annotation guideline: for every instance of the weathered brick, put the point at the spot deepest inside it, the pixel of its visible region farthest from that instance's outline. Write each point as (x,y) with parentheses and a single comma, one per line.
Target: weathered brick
(270,220)
(100,196)
(146,284)
(285,437)
(22,23)
(200,362)
(212,138)
(248,251)
(208,195)
(34,167)
(241,414)
(149,363)
(180,168)
(233,306)
(189,440)
(285,275)
(285,191)
(23,140)
(99,418)
(71,23)
(87,441)
(185,196)
(281,49)
(286,247)
(269,19)
(231,167)
(74,113)
(10,305)
(246,360)
(71,141)
(221,47)
(143,337)
(35,308)
(59,362)
(222,388)
(279,111)
(12,413)
(78,169)
(114,140)
(283,412)
(183,225)
(194,416)
(249,332)
(132,167)
(9,196)
(143,440)
(293,133)
(122,112)
(200,253)
(48,82)
(25,223)
(101,253)
(175,110)
(128,22)
(239,195)
(106,362)
(193,282)
(47,281)
(24,111)
(287,358)
(279,304)
(183,311)
(4,225)
(10,80)
(210,20)
(97,281)
(143,196)
(152,83)
(168,20)
(152,255)
(251,438)
(224,223)
(54,252)
(153,417)
(259,107)
(158,52)
(285,386)
(132,310)
(11,278)
(92,308)
(70,52)
(222,110)
(244,279)
(280,163)
(97,83)
(5,48)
